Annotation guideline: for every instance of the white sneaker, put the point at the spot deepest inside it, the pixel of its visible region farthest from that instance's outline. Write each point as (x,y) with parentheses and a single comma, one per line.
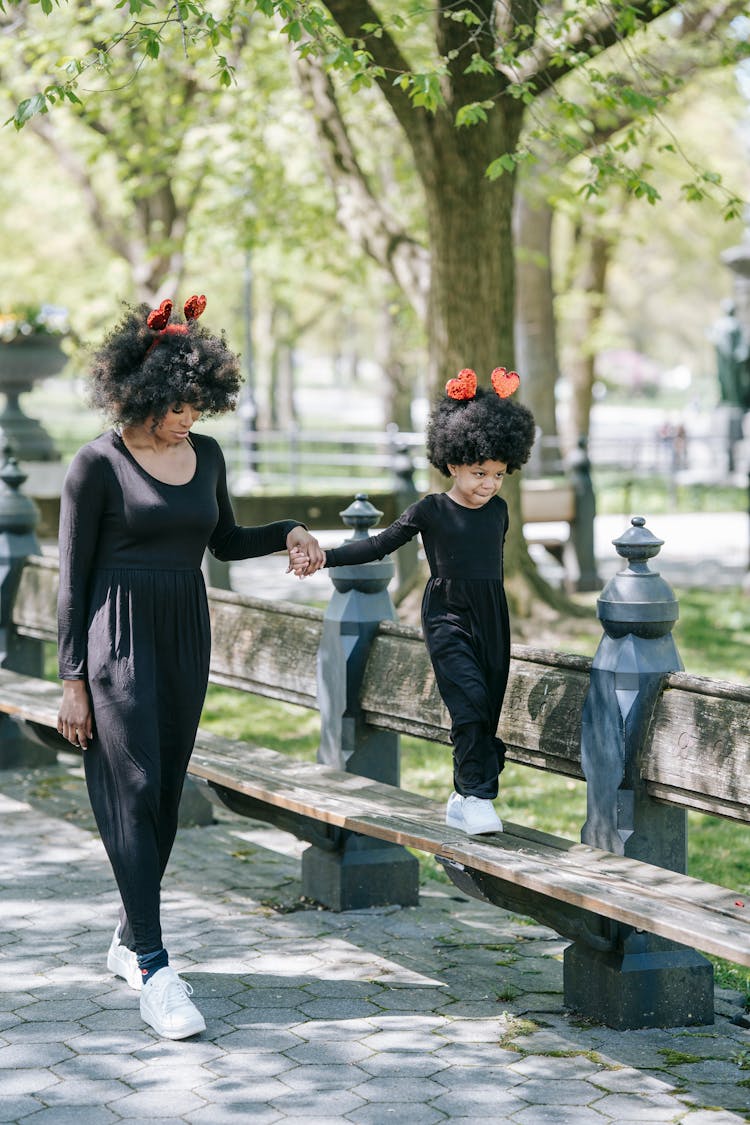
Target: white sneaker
(167,1007)
(479,816)
(454,811)
(123,962)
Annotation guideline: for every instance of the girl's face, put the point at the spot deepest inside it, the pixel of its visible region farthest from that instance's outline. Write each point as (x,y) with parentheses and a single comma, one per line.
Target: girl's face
(473,485)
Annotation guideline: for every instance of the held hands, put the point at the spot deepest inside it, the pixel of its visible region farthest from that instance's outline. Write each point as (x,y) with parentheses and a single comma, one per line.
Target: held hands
(305,553)
(74,720)
(299,562)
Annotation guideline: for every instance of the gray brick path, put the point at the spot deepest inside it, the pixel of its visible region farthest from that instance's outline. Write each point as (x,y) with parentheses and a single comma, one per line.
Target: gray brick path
(451,1011)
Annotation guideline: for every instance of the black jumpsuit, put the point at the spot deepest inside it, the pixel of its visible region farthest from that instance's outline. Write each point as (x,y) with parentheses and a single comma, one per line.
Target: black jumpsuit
(133,623)
(464,620)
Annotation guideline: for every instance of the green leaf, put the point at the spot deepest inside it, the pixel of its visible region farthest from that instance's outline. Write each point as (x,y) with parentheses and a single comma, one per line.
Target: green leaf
(27,109)
(464,16)
(472,113)
(501,165)
(293,30)
(479,65)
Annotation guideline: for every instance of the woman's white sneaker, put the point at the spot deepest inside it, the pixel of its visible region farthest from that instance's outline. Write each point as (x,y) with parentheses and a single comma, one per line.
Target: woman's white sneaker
(479,816)
(123,962)
(166,1006)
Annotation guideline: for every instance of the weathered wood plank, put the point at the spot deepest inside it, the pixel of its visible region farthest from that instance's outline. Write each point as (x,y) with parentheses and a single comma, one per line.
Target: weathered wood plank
(697,755)
(698,750)
(25,697)
(663,902)
(541,720)
(269,648)
(35,605)
(651,898)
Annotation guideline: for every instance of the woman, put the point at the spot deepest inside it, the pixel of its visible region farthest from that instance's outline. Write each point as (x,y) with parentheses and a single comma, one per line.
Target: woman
(140,505)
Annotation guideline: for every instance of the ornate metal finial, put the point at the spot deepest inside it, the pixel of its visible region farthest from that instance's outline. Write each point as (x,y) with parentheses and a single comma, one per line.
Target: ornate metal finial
(371,577)
(10,472)
(638,544)
(361,515)
(637,600)
(18,512)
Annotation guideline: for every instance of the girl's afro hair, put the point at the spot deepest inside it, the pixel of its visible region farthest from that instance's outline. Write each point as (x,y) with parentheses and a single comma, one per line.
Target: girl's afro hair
(137,373)
(483,428)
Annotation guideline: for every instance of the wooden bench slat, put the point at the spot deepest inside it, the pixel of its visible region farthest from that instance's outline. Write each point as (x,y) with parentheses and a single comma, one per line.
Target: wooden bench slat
(698,751)
(663,902)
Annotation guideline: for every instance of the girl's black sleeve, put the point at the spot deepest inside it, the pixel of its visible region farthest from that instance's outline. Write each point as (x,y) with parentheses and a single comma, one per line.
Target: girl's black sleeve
(409,524)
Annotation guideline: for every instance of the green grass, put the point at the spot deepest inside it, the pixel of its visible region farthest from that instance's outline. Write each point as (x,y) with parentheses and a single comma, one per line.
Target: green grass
(620,491)
(713,633)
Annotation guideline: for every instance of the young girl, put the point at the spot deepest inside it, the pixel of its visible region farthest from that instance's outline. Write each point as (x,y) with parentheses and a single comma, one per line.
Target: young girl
(474,438)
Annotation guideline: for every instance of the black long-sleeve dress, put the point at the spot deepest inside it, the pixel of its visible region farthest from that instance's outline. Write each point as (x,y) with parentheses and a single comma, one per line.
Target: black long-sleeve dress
(133,623)
(464,619)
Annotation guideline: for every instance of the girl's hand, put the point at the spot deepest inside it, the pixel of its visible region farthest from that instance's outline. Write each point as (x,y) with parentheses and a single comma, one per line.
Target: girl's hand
(300,537)
(75,721)
(299,562)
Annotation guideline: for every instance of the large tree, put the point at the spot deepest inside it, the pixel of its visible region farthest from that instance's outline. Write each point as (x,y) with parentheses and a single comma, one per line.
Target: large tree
(461,81)
(490,64)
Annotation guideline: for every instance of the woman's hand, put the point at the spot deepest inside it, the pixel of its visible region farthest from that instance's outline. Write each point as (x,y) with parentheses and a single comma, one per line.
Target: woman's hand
(75,721)
(299,537)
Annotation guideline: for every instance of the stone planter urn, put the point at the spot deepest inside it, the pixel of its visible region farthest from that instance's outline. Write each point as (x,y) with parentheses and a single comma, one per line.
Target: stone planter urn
(23,360)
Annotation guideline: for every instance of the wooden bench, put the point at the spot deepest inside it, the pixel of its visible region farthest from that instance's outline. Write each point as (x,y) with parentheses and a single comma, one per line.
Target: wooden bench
(617,908)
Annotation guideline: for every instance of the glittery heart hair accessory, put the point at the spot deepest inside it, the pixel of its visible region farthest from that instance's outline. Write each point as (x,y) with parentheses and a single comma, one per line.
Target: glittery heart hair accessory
(158,319)
(505,382)
(463,386)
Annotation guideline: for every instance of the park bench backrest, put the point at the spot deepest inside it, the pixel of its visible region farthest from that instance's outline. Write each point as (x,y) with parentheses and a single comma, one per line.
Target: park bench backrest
(696,754)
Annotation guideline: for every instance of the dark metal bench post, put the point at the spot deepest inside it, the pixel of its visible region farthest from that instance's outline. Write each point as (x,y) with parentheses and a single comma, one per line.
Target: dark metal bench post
(18,521)
(405,491)
(361,871)
(640,980)
(582,529)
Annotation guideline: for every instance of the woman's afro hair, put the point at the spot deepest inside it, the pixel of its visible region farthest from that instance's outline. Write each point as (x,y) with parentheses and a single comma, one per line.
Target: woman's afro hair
(137,373)
(483,428)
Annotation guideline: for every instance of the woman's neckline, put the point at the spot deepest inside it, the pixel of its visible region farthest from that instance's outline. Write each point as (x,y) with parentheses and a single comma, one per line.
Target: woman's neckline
(150,476)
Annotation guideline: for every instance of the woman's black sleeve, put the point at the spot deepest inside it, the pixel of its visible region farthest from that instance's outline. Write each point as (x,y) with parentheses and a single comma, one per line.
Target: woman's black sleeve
(81,507)
(230,541)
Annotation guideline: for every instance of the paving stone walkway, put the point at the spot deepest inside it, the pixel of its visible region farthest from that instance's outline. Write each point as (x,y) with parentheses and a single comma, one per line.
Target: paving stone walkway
(451,1011)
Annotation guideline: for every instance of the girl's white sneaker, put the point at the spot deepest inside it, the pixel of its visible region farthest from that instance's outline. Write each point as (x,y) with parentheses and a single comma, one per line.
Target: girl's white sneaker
(479,817)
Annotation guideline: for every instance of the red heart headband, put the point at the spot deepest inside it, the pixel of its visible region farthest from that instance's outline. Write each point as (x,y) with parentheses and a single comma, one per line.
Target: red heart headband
(464,386)
(158,319)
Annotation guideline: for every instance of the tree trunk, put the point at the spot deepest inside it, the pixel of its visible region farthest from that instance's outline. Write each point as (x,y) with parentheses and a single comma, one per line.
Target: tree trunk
(391,348)
(591,291)
(536,331)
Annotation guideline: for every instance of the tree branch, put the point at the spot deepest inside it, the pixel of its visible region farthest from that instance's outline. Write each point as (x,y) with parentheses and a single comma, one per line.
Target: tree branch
(351,15)
(363,216)
(557,53)
(110,230)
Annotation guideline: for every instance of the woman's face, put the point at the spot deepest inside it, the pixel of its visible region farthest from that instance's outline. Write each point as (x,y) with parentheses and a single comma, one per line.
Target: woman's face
(176,424)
